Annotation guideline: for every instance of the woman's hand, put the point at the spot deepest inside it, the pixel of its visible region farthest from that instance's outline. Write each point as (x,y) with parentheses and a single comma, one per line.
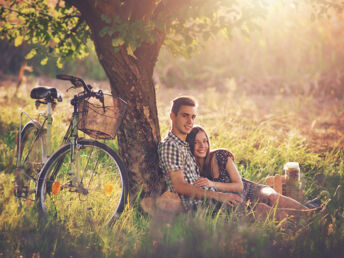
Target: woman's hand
(202,181)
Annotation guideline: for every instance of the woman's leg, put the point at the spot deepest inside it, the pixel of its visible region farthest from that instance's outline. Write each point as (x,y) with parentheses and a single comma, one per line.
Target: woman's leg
(262,211)
(269,196)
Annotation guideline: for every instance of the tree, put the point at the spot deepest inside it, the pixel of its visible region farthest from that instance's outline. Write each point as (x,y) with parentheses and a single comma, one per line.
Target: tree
(127,35)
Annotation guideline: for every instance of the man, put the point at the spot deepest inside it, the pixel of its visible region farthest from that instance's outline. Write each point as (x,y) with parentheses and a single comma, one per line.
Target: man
(179,165)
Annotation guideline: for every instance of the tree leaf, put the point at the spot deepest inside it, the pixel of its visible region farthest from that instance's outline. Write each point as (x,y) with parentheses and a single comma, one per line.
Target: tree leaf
(103,31)
(117,42)
(105,18)
(59,63)
(44,61)
(18,41)
(31,54)
(130,51)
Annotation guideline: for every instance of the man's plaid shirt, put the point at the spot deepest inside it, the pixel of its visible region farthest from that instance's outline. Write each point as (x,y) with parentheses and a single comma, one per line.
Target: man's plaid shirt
(175,154)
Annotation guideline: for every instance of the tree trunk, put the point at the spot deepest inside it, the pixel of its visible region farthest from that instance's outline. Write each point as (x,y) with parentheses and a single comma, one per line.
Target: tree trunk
(131,79)
(139,133)
(139,136)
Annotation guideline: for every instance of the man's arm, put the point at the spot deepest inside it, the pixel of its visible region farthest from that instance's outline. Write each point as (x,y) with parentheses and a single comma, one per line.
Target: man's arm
(184,188)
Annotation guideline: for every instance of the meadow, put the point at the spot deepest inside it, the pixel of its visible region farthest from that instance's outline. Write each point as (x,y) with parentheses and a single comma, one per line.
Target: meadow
(263,131)
(273,96)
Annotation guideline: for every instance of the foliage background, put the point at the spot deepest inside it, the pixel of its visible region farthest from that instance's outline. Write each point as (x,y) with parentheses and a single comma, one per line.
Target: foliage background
(290,52)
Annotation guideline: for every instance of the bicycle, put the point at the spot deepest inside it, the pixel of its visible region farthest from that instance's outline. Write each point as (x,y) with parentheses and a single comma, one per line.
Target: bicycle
(85,177)
(33,143)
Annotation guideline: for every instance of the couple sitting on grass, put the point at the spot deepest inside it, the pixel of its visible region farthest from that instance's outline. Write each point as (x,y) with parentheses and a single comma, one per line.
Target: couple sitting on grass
(200,176)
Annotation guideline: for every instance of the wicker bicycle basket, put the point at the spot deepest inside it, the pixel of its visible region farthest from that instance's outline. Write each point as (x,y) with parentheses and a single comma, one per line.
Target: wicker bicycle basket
(101,122)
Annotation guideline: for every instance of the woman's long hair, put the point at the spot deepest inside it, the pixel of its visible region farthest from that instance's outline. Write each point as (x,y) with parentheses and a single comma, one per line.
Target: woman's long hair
(206,170)
(190,138)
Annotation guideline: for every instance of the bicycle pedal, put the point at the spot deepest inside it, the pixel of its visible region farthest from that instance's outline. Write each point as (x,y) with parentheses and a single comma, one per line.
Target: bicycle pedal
(21,192)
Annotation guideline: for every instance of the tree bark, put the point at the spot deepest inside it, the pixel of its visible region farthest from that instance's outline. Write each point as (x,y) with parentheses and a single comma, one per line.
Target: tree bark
(139,133)
(131,79)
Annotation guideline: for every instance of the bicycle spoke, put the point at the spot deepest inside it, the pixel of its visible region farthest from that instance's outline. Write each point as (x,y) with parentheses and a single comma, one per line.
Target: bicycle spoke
(90,155)
(94,169)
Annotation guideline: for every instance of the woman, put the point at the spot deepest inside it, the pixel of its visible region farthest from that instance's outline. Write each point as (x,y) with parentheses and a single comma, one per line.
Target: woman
(218,170)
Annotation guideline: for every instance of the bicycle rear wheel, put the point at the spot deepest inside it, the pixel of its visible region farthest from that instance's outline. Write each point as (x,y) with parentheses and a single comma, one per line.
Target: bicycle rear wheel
(30,154)
(91,195)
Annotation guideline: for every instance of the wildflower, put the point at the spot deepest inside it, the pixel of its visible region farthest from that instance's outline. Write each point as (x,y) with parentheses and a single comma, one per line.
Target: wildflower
(108,189)
(55,189)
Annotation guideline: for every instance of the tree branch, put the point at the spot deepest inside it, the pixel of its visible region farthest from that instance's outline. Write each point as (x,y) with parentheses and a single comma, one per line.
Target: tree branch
(143,8)
(126,9)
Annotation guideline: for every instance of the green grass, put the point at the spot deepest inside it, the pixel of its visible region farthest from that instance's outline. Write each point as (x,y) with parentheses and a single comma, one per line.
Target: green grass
(262,132)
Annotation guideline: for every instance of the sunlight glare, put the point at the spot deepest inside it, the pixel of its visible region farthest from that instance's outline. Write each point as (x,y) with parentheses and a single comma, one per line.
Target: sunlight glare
(268,190)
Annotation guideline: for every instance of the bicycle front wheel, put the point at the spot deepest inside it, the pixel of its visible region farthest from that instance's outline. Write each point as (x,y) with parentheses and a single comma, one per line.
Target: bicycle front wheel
(92,189)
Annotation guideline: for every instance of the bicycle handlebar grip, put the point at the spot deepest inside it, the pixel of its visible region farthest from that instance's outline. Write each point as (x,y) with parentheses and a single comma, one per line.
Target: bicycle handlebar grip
(65,77)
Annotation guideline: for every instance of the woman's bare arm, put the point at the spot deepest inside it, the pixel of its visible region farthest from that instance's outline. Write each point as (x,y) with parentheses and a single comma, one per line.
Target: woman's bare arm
(235,186)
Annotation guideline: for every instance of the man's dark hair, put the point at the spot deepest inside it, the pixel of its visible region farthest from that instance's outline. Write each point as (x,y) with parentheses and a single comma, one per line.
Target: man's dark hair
(182,101)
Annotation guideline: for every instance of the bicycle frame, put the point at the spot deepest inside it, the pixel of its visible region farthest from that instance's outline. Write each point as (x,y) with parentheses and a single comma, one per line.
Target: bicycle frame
(72,137)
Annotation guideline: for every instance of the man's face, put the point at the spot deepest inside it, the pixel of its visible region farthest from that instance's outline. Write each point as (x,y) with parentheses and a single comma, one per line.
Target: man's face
(183,122)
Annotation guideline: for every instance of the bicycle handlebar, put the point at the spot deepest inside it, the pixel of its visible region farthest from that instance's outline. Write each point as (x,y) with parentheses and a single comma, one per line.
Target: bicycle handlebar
(75,81)
(65,77)
(88,88)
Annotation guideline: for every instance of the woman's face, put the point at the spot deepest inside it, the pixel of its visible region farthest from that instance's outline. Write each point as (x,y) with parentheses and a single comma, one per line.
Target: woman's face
(201,145)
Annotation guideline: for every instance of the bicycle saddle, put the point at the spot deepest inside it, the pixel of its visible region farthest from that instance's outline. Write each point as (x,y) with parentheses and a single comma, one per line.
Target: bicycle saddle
(47,93)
